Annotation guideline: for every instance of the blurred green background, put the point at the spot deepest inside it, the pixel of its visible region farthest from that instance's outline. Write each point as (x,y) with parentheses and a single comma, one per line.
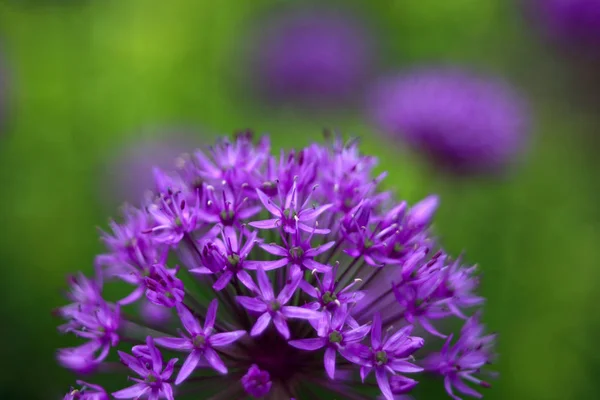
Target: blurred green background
(85,76)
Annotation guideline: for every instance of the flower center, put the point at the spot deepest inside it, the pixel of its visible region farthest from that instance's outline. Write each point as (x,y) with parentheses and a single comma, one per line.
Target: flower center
(233,260)
(296,253)
(151,378)
(381,357)
(335,337)
(398,247)
(227,215)
(275,305)
(178,222)
(199,341)
(368,244)
(328,297)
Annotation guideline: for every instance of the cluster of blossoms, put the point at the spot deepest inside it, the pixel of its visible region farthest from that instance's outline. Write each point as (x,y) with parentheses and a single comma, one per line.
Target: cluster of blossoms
(464,122)
(288,276)
(307,55)
(574,22)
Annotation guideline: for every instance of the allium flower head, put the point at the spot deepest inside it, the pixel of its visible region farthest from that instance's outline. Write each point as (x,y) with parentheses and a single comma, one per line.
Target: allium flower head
(574,22)
(128,175)
(314,55)
(314,276)
(463,122)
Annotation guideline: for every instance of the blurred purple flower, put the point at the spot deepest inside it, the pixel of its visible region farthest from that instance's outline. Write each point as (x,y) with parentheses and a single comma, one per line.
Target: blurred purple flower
(576,22)
(466,123)
(312,55)
(129,174)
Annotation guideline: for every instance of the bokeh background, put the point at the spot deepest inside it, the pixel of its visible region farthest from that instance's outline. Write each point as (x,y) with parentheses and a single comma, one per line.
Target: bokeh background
(85,81)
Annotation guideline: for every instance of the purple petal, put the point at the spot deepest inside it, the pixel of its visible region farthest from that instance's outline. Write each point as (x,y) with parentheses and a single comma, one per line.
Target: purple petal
(300,312)
(188,320)
(288,290)
(132,363)
(167,391)
(397,338)
(261,324)
(313,265)
(310,229)
(274,249)
(265,285)
(223,339)
(308,289)
(430,328)
(201,271)
(246,280)
(384,383)
(357,334)
(223,281)
(266,224)
(422,212)
(329,361)
(311,344)
(404,367)
(252,304)
(266,265)
(464,389)
(168,371)
(319,250)
(308,215)
(376,332)
(364,372)
(188,366)
(211,316)
(268,203)
(281,325)
(174,343)
(214,360)
(155,355)
(230,234)
(448,386)
(133,296)
(135,391)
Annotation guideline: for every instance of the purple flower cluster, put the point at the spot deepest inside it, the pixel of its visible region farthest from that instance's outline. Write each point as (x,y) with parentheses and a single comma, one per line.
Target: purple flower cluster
(312,55)
(295,271)
(574,22)
(464,122)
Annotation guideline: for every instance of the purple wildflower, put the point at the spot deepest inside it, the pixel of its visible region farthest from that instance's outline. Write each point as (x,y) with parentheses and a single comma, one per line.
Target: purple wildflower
(574,22)
(467,123)
(162,287)
(256,382)
(129,176)
(343,256)
(271,308)
(99,326)
(297,252)
(154,379)
(88,391)
(459,362)
(201,343)
(387,355)
(221,206)
(173,218)
(328,295)
(335,333)
(290,215)
(312,56)
(228,257)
